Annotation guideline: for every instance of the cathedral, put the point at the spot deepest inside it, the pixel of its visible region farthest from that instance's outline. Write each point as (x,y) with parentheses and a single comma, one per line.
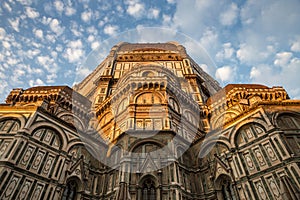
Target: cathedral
(150,124)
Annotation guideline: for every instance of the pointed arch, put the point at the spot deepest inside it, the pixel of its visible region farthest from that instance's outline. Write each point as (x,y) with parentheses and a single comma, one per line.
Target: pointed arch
(58,130)
(261,123)
(149,185)
(73,186)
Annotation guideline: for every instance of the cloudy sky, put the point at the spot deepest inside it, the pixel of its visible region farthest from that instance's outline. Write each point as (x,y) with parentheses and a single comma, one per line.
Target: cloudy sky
(47,42)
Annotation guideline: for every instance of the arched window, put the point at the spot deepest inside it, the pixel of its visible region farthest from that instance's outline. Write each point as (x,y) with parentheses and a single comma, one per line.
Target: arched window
(70,191)
(191,118)
(9,126)
(149,190)
(287,121)
(174,105)
(48,136)
(79,150)
(122,105)
(148,74)
(248,133)
(148,98)
(214,148)
(225,188)
(154,149)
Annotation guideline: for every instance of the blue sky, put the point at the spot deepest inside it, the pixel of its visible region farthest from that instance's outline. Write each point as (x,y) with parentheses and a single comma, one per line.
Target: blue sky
(47,42)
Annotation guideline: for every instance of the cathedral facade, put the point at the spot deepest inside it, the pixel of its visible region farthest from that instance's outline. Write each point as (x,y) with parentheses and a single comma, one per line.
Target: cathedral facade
(149,124)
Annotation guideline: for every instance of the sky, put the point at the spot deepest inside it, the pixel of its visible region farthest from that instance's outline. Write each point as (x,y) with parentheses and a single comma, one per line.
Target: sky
(49,42)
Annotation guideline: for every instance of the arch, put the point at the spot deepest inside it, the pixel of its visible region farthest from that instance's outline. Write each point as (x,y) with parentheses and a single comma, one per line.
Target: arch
(174,104)
(148,98)
(223,118)
(287,120)
(234,131)
(149,187)
(20,118)
(146,147)
(182,155)
(72,119)
(138,69)
(88,153)
(115,155)
(219,180)
(9,125)
(191,117)
(104,119)
(224,187)
(122,105)
(49,136)
(148,73)
(57,129)
(73,186)
(137,143)
(248,132)
(213,147)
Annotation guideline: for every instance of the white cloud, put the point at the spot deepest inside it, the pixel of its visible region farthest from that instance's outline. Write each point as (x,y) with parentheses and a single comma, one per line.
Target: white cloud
(225,73)
(283,58)
(91,38)
(69,11)
(82,73)
(119,9)
(55,26)
(18,73)
(44,60)
(269,22)
(95,45)
(229,17)
(153,13)
(1,58)
(51,78)
(25,2)
(253,54)
(294,47)
(37,82)
(32,53)
(59,48)
(2,33)
(2,75)
(50,38)
(74,51)
(38,33)
(6,44)
(135,8)
(3,87)
(226,53)
(110,29)
(146,34)
(14,24)
(54,54)
(194,16)
(75,44)
(209,39)
(92,30)
(46,20)
(48,63)
(59,6)
(7,6)
(287,76)
(171,1)
(76,29)
(31,13)
(166,19)
(12,61)
(86,16)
